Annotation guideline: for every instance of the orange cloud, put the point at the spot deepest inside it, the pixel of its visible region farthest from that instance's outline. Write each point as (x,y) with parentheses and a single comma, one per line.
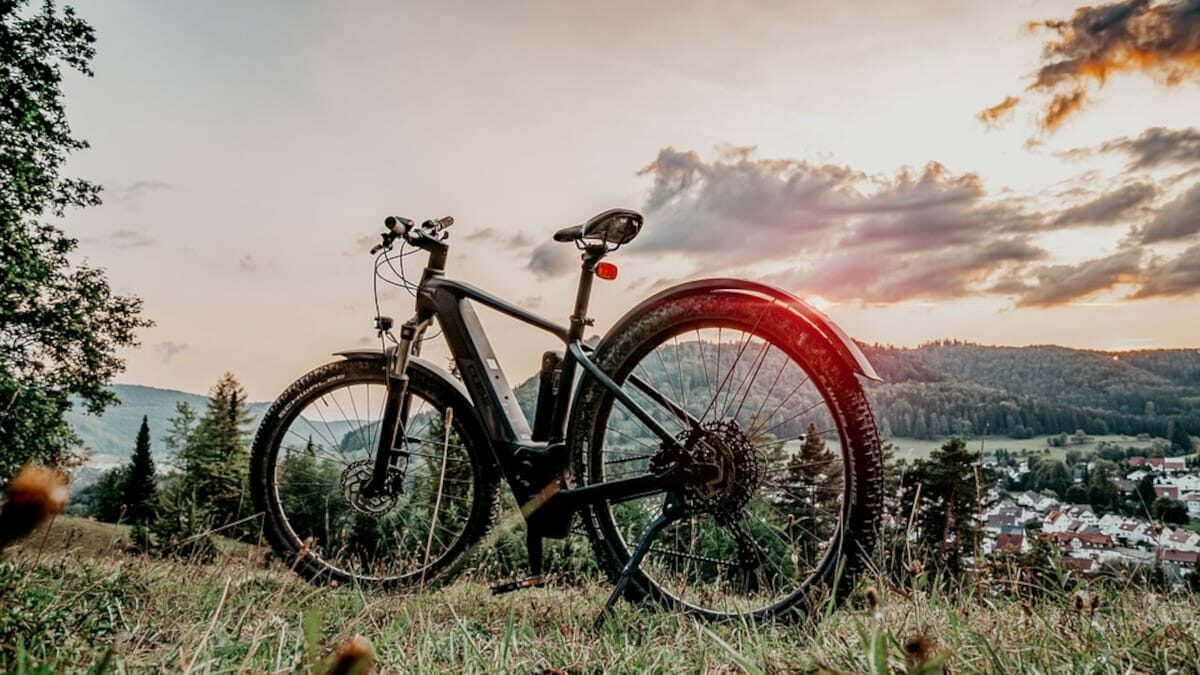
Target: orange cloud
(1002,111)
(1159,40)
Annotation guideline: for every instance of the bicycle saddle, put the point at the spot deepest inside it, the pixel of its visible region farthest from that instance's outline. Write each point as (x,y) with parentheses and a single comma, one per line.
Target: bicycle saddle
(614,226)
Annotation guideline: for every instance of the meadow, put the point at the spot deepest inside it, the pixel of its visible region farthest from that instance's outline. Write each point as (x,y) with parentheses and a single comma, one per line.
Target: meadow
(915,448)
(72,600)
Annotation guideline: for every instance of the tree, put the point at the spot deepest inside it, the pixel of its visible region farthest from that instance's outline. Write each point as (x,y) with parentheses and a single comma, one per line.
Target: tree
(140,487)
(1170,511)
(213,457)
(1179,438)
(1053,475)
(1145,493)
(60,323)
(110,495)
(813,479)
(208,488)
(1102,492)
(947,528)
(1076,494)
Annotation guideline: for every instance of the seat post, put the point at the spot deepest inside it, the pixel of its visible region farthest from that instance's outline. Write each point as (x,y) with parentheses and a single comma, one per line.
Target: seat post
(592,254)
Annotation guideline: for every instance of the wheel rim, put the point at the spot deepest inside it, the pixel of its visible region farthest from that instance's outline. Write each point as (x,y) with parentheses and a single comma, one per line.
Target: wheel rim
(323,456)
(734,553)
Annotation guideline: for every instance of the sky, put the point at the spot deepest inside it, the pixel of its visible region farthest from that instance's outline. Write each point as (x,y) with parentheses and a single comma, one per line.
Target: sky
(1001,172)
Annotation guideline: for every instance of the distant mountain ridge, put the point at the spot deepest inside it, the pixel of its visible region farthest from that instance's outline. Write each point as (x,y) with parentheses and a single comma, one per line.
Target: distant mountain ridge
(933,390)
(110,437)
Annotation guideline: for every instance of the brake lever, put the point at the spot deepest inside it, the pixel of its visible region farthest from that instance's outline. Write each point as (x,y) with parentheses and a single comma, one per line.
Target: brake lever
(387,238)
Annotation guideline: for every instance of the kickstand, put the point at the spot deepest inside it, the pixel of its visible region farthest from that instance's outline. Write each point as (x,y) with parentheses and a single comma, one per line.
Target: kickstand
(672,510)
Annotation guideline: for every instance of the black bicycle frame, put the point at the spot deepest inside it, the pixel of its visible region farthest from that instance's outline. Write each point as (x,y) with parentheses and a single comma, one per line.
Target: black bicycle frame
(531,468)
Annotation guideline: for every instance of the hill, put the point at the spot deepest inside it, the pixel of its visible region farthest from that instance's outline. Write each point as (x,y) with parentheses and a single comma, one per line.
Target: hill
(109,437)
(929,392)
(946,388)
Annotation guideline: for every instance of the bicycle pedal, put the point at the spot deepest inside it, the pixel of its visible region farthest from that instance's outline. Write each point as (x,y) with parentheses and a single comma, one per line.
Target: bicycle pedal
(519,585)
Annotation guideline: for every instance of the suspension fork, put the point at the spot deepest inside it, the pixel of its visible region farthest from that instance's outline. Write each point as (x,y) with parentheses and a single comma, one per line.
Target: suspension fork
(397,405)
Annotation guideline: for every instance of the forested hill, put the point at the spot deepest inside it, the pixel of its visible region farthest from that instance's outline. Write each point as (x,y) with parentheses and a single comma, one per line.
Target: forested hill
(930,391)
(951,387)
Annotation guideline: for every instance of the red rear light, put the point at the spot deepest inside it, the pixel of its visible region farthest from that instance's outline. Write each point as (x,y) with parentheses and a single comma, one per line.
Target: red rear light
(606,271)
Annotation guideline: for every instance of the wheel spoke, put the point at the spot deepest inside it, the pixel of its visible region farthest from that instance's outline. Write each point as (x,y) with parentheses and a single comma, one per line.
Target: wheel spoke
(781,535)
(316,473)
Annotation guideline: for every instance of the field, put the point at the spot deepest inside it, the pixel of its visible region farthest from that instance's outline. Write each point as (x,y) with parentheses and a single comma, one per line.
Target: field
(914,448)
(73,602)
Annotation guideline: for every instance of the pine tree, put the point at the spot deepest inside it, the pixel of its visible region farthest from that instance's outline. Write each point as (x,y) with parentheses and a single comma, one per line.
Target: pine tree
(945,517)
(140,488)
(214,459)
(813,482)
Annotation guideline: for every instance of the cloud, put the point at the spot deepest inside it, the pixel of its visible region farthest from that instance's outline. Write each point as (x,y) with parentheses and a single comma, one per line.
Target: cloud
(1060,284)
(1158,146)
(1110,207)
(738,207)
(135,191)
(552,259)
(1161,40)
(1001,112)
(1176,276)
(1178,219)
(168,350)
(931,233)
(876,275)
(508,239)
(131,239)
(918,233)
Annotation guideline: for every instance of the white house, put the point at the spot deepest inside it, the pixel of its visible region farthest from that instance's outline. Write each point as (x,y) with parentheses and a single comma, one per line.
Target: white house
(1193,504)
(1181,539)
(1038,502)
(1186,482)
(1081,512)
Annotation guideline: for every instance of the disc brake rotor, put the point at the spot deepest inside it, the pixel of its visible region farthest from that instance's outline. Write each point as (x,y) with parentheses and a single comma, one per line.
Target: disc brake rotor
(355,477)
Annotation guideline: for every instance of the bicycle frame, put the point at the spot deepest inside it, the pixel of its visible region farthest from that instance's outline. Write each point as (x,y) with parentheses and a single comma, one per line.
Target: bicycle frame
(535,470)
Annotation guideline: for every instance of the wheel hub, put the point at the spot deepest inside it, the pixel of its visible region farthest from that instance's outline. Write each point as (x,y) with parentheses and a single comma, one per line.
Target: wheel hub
(355,479)
(739,462)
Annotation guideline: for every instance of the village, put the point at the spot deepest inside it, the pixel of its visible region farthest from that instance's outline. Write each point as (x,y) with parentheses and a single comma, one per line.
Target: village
(1088,540)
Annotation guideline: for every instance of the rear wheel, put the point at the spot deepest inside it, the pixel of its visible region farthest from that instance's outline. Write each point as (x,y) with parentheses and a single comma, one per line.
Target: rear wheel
(314,454)
(772,404)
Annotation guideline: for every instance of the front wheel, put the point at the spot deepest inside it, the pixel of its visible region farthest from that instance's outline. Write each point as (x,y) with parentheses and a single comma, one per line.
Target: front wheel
(314,453)
(798,499)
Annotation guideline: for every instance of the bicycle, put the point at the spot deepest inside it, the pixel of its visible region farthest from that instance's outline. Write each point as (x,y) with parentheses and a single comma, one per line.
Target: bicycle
(700,486)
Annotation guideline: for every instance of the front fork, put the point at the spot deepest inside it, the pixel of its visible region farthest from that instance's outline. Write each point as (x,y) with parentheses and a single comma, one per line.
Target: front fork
(396,406)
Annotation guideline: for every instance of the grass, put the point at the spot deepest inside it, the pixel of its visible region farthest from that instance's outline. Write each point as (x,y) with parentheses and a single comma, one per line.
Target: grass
(915,448)
(80,605)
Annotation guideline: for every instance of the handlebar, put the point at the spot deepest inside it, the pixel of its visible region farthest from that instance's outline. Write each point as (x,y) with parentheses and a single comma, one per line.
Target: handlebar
(403,227)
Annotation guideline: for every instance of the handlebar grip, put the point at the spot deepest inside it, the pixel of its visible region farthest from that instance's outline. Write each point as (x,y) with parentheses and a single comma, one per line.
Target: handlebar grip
(443,223)
(391,223)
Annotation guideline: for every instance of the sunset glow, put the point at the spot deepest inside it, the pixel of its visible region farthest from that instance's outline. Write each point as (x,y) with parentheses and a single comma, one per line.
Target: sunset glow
(918,173)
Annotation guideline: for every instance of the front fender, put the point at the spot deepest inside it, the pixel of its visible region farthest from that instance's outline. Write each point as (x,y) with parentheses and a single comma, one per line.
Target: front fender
(375,354)
(842,344)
